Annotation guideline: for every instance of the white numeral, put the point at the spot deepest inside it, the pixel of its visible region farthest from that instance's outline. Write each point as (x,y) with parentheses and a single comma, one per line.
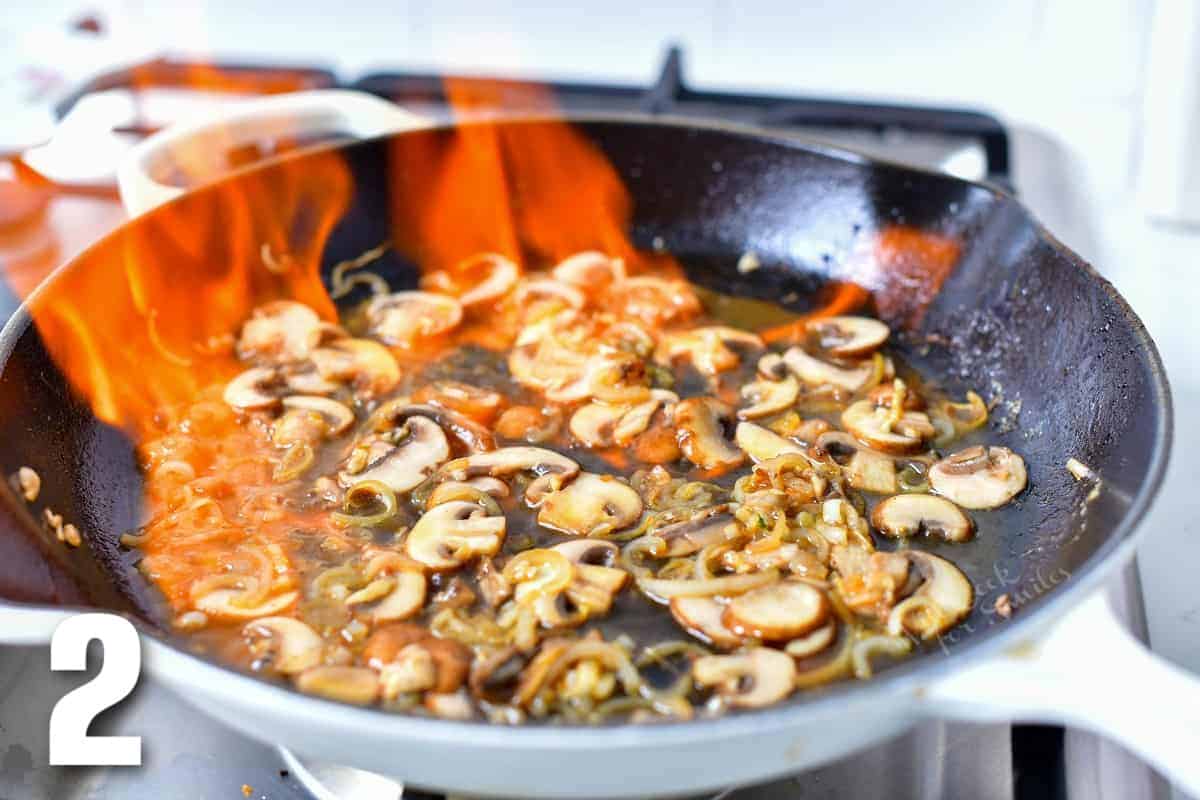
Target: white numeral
(69,740)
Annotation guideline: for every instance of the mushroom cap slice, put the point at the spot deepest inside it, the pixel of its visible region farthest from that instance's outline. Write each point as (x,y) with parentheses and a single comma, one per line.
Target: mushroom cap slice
(406,598)
(410,462)
(777,612)
(698,420)
(845,337)
(220,603)
(367,364)
(758,677)
(500,276)
(449,535)
(693,535)
(404,317)
(942,600)
(813,642)
(762,444)
(256,388)
(394,413)
(338,418)
(590,551)
(709,349)
(910,514)
(768,396)
(356,685)
(637,419)
(591,505)
(872,472)
(816,372)
(701,617)
(294,646)
(595,423)
(553,469)
(873,426)
(979,477)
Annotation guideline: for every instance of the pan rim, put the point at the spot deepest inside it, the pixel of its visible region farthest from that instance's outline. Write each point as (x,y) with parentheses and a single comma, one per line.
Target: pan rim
(906,680)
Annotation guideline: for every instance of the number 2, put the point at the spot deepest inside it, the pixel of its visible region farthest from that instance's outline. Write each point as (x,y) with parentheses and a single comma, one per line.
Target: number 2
(70,743)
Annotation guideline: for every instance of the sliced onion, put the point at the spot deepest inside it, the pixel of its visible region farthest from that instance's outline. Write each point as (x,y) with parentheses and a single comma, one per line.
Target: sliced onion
(661,590)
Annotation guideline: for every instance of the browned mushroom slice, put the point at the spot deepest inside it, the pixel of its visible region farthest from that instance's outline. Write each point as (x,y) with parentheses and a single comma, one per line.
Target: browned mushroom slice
(816,372)
(394,413)
(908,515)
(845,337)
(701,617)
(281,331)
(762,444)
(596,552)
(256,388)
(637,419)
(698,420)
(777,612)
(768,397)
(711,350)
(398,597)
(404,318)
(979,477)
(364,363)
(595,423)
(449,535)
(485,277)
(942,600)
(356,685)
(690,536)
(877,427)
(338,418)
(591,505)
(421,448)
(872,472)
(813,642)
(758,677)
(287,644)
(552,469)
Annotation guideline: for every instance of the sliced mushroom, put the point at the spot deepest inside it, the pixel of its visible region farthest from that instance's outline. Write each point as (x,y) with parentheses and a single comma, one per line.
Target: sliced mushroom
(404,318)
(711,350)
(590,270)
(222,604)
(256,388)
(710,526)
(553,469)
(701,617)
(979,477)
(762,444)
(591,505)
(422,447)
(772,367)
(814,642)
(768,397)
(280,331)
(908,515)
(596,552)
(816,372)
(880,429)
(405,599)
(367,364)
(499,276)
(872,472)
(449,535)
(338,418)
(845,337)
(604,425)
(942,600)
(635,421)
(395,413)
(356,685)
(698,421)
(656,301)
(593,588)
(412,670)
(777,612)
(290,645)
(758,677)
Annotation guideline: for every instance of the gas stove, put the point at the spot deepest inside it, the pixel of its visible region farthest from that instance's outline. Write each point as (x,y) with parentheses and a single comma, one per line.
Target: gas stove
(56,205)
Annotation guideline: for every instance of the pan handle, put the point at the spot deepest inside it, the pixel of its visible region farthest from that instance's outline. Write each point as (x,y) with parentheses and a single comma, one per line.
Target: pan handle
(1089,672)
(206,149)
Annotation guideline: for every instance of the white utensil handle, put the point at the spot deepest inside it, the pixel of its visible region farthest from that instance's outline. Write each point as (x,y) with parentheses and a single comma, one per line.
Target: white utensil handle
(1088,672)
(141,177)
(30,625)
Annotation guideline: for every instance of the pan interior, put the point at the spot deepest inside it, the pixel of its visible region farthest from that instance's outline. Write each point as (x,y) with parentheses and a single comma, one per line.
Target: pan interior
(1019,319)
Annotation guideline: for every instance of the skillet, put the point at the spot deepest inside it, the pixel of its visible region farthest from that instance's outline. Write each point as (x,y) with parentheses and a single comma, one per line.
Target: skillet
(1017,314)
